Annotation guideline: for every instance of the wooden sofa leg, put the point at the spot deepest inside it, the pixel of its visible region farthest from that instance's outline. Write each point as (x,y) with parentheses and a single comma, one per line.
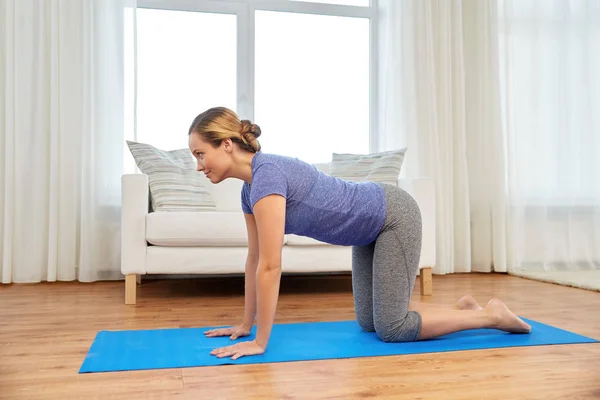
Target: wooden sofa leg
(426,282)
(130,288)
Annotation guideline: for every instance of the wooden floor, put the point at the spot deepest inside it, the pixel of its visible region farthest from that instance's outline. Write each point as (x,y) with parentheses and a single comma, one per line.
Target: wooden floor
(47,329)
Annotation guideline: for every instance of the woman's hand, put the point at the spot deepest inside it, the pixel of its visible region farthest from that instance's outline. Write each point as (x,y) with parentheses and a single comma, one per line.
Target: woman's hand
(234,332)
(239,350)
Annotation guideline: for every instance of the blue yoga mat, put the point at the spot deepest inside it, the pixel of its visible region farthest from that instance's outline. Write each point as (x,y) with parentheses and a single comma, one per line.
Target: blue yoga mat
(188,347)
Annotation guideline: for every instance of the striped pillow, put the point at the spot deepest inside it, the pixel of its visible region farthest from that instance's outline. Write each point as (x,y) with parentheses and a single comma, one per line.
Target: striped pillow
(381,167)
(174,182)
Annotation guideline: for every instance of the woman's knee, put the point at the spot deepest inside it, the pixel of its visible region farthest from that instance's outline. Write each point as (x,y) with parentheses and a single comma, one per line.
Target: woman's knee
(366,324)
(388,333)
(406,330)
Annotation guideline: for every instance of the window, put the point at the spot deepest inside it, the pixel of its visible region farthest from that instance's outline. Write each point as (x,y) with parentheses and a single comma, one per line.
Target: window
(312,86)
(186,63)
(300,70)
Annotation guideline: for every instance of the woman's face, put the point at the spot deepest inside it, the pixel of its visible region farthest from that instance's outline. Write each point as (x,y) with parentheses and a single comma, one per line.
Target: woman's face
(214,162)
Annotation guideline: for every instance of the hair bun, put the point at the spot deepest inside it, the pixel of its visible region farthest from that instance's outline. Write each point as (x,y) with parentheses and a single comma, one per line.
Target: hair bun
(249,127)
(249,132)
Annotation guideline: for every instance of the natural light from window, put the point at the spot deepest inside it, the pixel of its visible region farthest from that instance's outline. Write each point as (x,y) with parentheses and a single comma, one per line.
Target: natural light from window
(312,85)
(186,64)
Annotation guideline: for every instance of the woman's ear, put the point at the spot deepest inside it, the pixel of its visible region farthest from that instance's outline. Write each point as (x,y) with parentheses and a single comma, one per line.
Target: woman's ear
(227,144)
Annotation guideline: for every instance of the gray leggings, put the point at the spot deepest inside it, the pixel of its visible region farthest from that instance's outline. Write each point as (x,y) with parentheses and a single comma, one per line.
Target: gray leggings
(384,272)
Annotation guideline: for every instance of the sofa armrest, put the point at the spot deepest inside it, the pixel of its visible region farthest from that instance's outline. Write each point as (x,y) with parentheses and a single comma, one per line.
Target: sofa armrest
(134,208)
(423,191)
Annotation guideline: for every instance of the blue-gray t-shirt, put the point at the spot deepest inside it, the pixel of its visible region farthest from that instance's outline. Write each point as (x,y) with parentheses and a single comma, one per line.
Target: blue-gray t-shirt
(318,205)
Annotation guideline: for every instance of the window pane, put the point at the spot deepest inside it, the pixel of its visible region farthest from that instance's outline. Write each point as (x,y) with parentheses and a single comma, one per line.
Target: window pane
(186,64)
(363,3)
(312,85)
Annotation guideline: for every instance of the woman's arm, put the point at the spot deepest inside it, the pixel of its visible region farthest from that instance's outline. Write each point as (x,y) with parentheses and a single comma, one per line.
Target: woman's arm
(250,272)
(269,214)
(262,291)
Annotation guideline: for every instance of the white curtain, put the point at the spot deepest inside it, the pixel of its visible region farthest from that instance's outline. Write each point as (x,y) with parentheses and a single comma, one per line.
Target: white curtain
(485,142)
(550,81)
(434,99)
(61,142)
(498,102)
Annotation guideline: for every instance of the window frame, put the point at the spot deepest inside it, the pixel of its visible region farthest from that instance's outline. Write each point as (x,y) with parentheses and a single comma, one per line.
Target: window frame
(245,52)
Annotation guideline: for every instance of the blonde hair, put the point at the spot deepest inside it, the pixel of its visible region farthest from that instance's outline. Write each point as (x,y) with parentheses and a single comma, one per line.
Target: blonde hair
(219,123)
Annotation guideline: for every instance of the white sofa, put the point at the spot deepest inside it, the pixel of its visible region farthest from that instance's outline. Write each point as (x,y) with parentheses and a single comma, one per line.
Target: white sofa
(215,242)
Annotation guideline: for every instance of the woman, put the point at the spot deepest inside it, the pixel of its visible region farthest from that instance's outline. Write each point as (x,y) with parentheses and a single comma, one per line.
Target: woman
(283,195)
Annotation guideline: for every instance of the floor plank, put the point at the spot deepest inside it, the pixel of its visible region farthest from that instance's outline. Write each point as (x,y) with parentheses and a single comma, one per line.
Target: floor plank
(46,330)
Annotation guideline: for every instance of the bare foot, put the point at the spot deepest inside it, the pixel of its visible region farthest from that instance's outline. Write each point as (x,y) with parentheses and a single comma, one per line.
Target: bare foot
(504,319)
(468,303)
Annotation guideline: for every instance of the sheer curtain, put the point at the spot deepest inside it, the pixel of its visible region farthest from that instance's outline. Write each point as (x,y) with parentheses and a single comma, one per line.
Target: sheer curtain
(550,81)
(498,102)
(437,97)
(61,146)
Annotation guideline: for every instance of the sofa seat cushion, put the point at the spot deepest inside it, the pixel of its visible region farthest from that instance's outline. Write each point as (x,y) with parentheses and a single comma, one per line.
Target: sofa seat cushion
(295,240)
(203,228)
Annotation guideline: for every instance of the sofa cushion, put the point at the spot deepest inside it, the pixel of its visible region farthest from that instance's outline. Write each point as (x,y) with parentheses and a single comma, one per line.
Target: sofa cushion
(296,240)
(215,260)
(200,229)
(177,228)
(381,167)
(174,182)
